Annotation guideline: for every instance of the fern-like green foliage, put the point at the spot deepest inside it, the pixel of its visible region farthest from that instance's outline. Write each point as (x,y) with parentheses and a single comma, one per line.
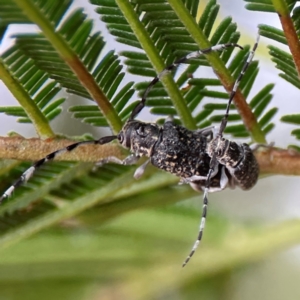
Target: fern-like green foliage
(68,54)
(88,47)
(35,82)
(283,60)
(159,20)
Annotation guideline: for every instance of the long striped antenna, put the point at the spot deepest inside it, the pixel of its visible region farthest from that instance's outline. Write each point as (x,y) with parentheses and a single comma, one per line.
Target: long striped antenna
(29,172)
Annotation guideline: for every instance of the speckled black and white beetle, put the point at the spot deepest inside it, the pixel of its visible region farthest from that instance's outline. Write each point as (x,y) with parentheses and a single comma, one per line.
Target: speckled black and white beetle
(201,158)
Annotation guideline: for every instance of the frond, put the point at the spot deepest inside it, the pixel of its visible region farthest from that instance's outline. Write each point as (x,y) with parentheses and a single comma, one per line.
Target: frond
(35,83)
(282,59)
(88,46)
(159,20)
(287,63)
(53,10)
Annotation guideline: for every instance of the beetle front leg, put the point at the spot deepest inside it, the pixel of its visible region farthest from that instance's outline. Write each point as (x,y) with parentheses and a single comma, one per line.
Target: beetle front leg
(129,160)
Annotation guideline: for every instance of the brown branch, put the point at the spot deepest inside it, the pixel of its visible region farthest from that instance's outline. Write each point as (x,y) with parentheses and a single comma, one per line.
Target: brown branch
(271,160)
(279,161)
(35,149)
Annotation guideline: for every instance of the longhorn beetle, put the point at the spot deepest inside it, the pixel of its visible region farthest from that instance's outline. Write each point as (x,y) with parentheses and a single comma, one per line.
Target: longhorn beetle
(202,158)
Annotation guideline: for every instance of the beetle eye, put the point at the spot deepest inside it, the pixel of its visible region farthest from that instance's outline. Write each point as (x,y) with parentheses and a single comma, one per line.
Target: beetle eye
(121,137)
